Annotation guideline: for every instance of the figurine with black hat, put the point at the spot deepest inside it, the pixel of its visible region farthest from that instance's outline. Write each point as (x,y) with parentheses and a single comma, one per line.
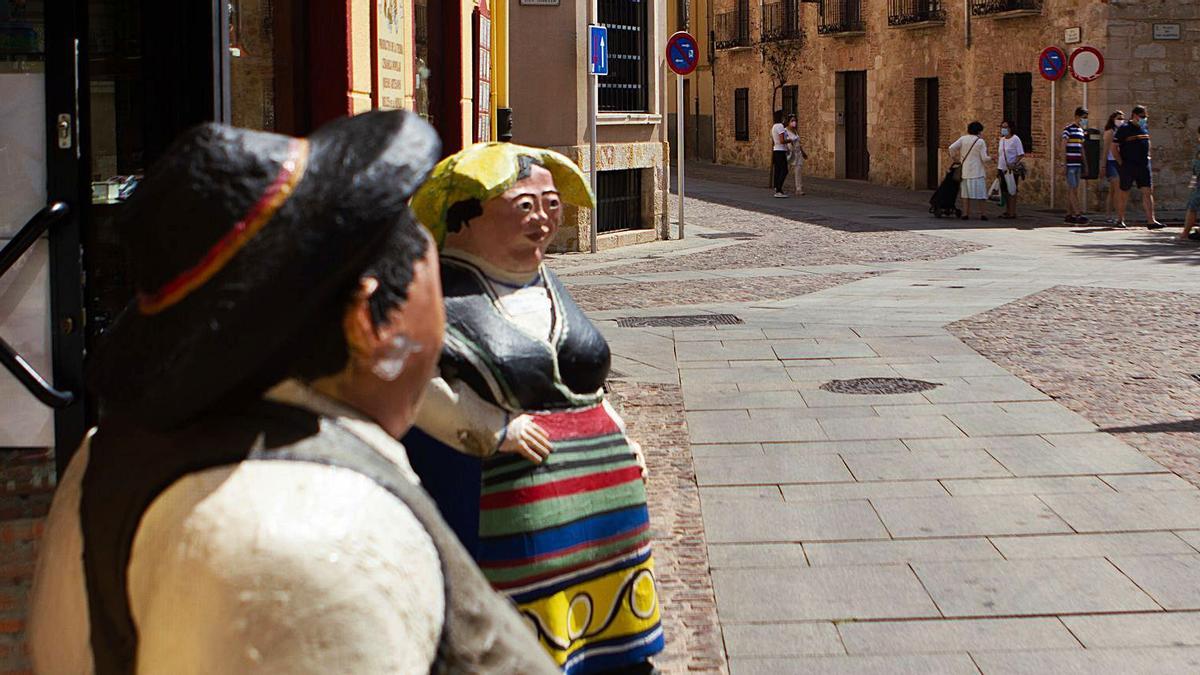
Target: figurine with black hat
(243,505)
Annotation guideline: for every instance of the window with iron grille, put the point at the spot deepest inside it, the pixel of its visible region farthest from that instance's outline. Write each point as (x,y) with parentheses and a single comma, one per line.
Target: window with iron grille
(626,87)
(841,16)
(681,14)
(991,7)
(741,114)
(733,27)
(1018,106)
(908,12)
(618,200)
(791,103)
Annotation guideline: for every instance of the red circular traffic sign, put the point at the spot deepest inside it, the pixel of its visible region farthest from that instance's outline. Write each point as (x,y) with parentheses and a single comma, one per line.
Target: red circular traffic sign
(1087,63)
(1052,64)
(682,53)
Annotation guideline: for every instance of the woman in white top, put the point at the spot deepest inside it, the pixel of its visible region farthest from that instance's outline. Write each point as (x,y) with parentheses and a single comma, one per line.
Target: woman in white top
(796,154)
(779,154)
(970,150)
(1008,162)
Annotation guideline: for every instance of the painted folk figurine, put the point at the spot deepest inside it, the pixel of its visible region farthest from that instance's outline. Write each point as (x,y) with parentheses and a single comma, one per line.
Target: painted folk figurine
(554,505)
(243,506)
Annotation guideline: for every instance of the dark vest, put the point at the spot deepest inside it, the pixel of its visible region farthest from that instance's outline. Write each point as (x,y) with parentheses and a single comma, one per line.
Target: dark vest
(506,365)
(129,467)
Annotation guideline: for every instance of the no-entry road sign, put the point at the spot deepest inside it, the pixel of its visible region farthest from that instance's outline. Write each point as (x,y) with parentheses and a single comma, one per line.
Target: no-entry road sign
(1086,64)
(597,50)
(682,53)
(1052,64)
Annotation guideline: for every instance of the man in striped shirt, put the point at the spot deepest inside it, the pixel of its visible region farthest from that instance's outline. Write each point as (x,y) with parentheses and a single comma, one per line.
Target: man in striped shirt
(1075,155)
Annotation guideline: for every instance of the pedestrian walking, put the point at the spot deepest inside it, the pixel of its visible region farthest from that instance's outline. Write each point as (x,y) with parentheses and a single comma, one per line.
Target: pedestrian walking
(779,154)
(1010,168)
(1193,204)
(1075,155)
(1131,149)
(796,153)
(970,152)
(1112,170)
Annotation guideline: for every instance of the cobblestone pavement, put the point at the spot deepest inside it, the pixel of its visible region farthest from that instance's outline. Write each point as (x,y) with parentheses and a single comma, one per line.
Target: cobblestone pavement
(654,415)
(697,291)
(1129,361)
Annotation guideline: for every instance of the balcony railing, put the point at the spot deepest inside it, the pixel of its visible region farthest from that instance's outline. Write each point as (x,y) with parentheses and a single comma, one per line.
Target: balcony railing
(841,17)
(910,12)
(781,21)
(1005,7)
(732,30)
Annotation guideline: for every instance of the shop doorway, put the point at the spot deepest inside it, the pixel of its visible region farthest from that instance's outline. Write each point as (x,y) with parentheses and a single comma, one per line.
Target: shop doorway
(929,128)
(858,160)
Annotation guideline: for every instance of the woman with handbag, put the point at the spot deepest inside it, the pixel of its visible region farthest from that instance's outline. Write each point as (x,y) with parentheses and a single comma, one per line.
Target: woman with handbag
(971,153)
(1010,168)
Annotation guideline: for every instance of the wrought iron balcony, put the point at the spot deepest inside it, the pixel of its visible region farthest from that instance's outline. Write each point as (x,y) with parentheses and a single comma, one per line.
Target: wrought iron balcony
(781,21)
(1005,8)
(732,29)
(912,12)
(841,17)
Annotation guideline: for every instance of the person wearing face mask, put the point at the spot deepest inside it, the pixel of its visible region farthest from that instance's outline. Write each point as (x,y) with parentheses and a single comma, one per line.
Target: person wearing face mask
(1075,157)
(796,154)
(1010,168)
(1112,170)
(1193,204)
(1131,149)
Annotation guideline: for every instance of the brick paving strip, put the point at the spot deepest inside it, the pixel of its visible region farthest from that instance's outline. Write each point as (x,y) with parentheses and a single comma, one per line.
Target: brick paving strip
(654,415)
(1129,361)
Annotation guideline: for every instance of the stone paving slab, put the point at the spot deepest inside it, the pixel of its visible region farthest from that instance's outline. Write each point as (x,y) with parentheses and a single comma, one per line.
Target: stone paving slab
(1033,443)
(920,664)
(705,400)
(727,450)
(1128,512)
(782,639)
(738,350)
(1148,483)
(1091,545)
(1026,486)
(770,469)
(967,635)
(752,521)
(810,593)
(1029,587)
(925,465)
(890,428)
(745,430)
(1192,537)
(756,555)
(828,492)
(967,516)
(818,398)
(711,333)
(850,553)
(1008,424)
(919,346)
(835,447)
(1073,461)
(1164,661)
(739,493)
(829,349)
(699,377)
(1162,629)
(1173,581)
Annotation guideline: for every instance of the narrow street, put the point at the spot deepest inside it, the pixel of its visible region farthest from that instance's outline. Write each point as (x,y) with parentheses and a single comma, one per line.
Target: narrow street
(914,445)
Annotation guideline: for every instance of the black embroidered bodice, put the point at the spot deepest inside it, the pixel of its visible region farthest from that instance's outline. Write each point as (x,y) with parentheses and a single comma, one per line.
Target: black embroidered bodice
(505,364)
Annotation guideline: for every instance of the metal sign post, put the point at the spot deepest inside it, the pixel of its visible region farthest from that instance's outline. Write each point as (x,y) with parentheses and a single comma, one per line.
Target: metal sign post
(1052,65)
(682,58)
(597,66)
(1086,63)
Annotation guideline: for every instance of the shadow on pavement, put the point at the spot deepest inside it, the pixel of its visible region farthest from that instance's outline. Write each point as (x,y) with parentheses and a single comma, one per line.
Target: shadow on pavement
(1158,427)
(1165,247)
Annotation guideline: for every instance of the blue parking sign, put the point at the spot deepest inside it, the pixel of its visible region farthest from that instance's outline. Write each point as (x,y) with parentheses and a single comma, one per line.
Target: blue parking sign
(597,50)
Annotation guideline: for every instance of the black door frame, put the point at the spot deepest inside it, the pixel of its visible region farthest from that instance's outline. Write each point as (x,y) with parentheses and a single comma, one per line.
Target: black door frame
(858,164)
(932,133)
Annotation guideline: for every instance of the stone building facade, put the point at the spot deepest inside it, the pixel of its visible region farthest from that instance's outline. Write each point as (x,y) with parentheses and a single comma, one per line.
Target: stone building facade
(882,87)
(549,99)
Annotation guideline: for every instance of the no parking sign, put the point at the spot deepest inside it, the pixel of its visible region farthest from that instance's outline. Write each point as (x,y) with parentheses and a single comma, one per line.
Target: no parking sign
(1052,64)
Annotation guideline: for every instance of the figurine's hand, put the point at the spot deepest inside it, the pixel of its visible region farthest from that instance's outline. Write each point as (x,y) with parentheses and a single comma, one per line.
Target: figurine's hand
(527,439)
(639,457)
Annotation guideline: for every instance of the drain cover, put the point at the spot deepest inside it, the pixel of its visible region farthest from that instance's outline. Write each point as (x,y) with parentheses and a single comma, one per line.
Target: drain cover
(685,321)
(728,235)
(878,385)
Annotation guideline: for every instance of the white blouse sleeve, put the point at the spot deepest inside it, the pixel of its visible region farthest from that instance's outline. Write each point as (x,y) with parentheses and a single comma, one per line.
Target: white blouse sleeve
(460,418)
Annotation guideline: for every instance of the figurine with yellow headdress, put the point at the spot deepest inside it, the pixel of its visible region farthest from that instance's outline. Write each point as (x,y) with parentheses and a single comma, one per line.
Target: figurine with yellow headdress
(515,440)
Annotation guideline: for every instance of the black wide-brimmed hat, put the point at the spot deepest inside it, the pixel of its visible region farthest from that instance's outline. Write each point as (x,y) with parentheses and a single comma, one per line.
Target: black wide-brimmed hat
(236,238)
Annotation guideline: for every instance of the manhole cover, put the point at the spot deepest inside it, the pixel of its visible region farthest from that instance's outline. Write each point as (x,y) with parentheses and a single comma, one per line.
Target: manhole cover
(878,385)
(685,321)
(728,235)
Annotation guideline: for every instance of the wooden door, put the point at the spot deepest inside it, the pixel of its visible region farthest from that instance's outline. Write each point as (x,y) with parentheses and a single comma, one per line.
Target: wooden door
(932,132)
(857,157)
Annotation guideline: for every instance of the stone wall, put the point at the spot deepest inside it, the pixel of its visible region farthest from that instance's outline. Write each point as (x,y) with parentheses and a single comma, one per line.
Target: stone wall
(971,82)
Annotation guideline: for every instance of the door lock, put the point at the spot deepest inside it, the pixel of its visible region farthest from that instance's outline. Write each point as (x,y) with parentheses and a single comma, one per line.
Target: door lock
(64,131)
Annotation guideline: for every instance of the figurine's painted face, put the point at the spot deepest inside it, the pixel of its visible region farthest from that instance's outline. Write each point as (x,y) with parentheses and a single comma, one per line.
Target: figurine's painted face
(516,226)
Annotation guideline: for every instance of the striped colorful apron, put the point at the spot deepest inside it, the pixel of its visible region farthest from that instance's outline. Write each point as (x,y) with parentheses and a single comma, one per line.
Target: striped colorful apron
(569,542)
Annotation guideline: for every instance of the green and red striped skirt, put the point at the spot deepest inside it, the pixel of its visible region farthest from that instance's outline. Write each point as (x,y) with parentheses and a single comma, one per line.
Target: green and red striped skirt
(568,540)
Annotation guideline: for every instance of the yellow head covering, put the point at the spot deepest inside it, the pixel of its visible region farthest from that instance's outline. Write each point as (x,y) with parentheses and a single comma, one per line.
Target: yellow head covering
(485,170)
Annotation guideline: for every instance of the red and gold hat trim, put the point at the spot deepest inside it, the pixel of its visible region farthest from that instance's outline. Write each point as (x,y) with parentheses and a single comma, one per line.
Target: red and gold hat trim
(290,173)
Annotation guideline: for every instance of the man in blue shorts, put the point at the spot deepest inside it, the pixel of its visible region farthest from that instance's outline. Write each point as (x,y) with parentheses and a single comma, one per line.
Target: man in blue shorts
(1073,136)
(1131,148)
